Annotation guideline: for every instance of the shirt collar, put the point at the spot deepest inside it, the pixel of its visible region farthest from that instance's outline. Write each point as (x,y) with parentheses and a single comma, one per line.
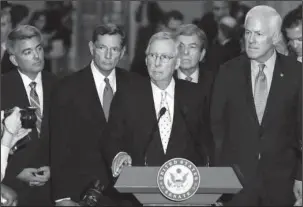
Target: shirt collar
(99,77)
(194,75)
(299,59)
(26,80)
(269,64)
(170,89)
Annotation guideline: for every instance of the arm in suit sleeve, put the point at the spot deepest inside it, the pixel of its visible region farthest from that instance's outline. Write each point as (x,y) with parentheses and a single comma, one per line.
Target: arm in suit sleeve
(110,142)
(299,134)
(59,133)
(218,106)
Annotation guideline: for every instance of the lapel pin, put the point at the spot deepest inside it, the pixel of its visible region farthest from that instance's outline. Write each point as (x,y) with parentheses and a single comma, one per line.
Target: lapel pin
(281,74)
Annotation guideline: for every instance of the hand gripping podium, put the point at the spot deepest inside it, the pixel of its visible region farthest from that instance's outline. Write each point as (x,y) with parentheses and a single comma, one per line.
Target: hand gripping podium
(142,182)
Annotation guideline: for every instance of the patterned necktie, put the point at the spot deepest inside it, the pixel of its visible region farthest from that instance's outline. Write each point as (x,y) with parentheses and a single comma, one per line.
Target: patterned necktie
(34,102)
(107,98)
(165,123)
(260,93)
(188,78)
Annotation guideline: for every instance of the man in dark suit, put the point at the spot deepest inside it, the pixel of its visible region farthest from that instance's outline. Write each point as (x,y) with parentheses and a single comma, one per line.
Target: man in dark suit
(257,111)
(132,135)
(79,113)
(28,86)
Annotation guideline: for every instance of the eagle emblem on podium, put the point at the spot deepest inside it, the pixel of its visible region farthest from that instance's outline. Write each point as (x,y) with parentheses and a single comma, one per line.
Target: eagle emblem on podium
(178,179)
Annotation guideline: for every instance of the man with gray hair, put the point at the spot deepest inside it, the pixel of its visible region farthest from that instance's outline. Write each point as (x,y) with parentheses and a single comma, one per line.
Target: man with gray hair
(28,171)
(257,111)
(159,118)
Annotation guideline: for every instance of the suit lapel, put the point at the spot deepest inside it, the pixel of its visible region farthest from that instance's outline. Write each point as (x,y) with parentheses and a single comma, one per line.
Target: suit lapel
(20,91)
(91,98)
(248,90)
(275,90)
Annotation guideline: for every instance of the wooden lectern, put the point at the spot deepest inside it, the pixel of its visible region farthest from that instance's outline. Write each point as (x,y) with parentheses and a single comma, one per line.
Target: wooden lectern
(142,182)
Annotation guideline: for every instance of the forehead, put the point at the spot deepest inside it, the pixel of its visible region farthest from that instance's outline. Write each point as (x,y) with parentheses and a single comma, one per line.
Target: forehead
(30,43)
(257,24)
(109,40)
(189,39)
(294,32)
(162,46)
(220,4)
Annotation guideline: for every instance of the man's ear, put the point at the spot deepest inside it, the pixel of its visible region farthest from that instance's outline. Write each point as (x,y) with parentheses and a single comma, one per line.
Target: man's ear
(122,52)
(276,38)
(202,55)
(178,62)
(12,58)
(91,47)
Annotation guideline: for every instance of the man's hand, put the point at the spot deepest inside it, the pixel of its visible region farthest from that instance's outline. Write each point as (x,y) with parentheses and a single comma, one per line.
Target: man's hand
(8,195)
(122,159)
(67,203)
(28,175)
(298,192)
(43,173)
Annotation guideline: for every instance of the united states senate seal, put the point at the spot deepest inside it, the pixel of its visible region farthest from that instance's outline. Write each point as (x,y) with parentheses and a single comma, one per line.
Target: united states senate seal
(178,179)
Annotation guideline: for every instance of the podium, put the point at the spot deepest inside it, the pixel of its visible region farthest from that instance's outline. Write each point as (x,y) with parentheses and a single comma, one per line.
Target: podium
(142,183)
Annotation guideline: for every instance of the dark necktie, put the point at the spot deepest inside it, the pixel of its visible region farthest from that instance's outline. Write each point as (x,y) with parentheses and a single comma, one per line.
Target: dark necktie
(107,98)
(34,102)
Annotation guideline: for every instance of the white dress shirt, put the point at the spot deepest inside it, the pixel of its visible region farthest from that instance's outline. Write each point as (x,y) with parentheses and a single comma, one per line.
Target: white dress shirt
(194,76)
(268,70)
(170,97)
(39,88)
(4,156)
(299,59)
(100,83)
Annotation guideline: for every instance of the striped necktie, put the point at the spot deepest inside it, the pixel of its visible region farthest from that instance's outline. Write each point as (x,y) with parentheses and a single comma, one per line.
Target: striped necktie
(34,102)
(108,95)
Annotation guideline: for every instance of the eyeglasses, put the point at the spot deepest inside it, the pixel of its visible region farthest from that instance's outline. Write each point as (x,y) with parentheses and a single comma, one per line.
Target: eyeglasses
(163,58)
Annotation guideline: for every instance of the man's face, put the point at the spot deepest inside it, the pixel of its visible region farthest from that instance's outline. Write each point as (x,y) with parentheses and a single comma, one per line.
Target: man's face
(6,26)
(220,9)
(173,24)
(28,56)
(258,39)
(161,60)
(107,51)
(294,36)
(190,51)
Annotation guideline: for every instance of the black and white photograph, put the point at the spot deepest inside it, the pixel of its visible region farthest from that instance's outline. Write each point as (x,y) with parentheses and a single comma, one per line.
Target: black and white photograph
(151,103)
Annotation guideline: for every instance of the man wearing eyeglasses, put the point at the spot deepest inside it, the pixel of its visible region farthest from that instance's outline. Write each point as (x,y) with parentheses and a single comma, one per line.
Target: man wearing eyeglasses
(159,118)
(292,29)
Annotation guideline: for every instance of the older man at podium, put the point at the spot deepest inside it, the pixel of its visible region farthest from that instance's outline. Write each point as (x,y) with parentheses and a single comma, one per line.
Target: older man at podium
(157,119)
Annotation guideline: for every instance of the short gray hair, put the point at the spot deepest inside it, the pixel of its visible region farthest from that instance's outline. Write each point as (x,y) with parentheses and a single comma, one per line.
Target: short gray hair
(191,29)
(162,36)
(267,13)
(21,32)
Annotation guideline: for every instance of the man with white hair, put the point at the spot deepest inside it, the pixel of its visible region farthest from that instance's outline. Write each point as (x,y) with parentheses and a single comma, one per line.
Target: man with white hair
(160,118)
(257,111)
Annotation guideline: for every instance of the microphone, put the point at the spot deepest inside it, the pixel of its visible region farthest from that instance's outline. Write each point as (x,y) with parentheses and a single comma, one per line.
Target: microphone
(183,114)
(161,113)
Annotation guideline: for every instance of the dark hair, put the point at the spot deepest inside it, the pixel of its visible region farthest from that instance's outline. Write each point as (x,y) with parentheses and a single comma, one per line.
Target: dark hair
(174,14)
(18,12)
(35,16)
(110,29)
(292,19)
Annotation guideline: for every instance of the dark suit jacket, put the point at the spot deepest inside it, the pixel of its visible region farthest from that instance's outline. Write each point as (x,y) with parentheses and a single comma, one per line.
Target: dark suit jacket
(133,118)
(277,139)
(77,121)
(6,64)
(36,152)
